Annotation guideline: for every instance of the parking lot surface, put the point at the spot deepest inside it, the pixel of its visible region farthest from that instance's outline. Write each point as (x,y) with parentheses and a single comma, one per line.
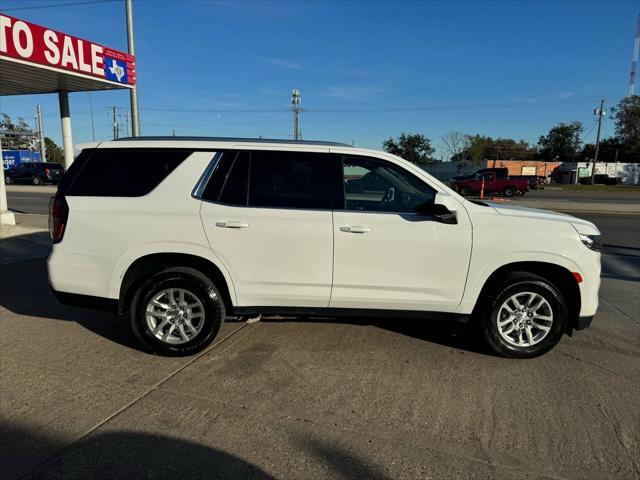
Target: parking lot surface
(310,398)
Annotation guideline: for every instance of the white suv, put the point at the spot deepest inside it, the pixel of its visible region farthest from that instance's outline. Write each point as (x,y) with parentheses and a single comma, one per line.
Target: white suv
(180,233)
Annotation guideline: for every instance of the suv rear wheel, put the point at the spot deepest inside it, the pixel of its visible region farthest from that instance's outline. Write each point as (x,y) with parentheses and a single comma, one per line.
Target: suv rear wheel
(526,316)
(8,180)
(464,191)
(178,311)
(36,180)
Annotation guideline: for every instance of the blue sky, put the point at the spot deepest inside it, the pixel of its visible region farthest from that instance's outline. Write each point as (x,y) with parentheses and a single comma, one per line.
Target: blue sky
(509,69)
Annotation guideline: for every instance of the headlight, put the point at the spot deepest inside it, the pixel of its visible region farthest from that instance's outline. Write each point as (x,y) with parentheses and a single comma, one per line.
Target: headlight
(592,242)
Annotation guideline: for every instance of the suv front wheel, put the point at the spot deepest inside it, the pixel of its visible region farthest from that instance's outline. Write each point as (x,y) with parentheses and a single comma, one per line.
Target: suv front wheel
(178,311)
(526,316)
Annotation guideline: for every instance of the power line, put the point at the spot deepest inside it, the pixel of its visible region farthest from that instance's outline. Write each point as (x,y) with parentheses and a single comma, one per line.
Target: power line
(375,109)
(55,5)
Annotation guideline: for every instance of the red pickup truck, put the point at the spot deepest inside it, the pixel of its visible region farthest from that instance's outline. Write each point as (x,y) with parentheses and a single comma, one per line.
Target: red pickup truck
(507,185)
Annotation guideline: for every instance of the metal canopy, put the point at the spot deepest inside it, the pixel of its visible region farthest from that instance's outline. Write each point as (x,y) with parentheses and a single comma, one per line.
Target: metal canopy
(21,78)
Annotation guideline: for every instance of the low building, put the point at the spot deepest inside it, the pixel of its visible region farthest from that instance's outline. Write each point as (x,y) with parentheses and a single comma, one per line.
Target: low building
(524,167)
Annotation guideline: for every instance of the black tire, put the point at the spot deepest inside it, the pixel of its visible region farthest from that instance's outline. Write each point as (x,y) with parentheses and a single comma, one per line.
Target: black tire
(511,285)
(36,180)
(510,191)
(198,285)
(464,191)
(8,180)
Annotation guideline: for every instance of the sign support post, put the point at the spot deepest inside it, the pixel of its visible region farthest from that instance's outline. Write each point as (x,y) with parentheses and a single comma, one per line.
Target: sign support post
(133,92)
(6,217)
(65,120)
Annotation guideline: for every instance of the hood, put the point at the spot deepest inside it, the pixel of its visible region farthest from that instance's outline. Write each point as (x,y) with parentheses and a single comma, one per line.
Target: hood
(582,226)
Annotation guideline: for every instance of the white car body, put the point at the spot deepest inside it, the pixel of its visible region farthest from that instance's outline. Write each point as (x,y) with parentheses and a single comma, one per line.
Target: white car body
(304,259)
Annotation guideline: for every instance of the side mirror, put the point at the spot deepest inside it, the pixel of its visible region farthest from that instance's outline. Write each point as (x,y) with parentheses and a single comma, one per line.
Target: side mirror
(443,208)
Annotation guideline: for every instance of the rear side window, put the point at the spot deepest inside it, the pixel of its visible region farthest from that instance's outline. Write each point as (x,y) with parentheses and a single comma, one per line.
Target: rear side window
(274,179)
(290,180)
(115,172)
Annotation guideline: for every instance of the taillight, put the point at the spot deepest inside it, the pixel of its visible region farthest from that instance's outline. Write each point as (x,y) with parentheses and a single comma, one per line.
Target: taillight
(58,215)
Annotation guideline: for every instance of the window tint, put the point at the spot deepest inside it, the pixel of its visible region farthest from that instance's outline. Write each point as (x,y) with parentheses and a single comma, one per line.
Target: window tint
(112,172)
(290,180)
(219,176)
(234,191)
(53,166)
(377,186)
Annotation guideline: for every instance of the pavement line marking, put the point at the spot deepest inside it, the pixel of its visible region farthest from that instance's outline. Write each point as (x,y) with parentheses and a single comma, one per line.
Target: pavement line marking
(25,198)
(131,403)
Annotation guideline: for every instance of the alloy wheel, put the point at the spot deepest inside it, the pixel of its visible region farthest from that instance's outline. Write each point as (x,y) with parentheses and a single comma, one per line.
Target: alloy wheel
(524,319)
(174,316)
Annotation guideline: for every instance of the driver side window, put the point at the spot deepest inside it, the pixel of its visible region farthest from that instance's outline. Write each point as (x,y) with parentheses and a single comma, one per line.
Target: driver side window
(373,185)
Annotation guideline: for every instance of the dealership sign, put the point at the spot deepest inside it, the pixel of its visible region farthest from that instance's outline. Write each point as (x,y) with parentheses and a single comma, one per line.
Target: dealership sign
(26,42)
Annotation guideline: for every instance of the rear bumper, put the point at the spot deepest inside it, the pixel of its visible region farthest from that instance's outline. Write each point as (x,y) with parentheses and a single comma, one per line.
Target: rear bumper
(584,322)
(86,301)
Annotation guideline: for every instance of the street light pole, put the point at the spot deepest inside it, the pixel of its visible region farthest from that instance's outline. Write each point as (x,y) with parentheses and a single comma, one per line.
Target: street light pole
(133,92)
(43,150)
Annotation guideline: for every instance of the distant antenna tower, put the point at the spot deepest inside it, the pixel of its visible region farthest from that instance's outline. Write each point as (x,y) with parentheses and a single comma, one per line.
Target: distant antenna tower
(634,60)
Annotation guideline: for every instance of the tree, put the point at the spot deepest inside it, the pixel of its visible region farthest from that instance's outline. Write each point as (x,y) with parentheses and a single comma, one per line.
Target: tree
(16,135)
(414,147)
(562,142)
(53,151)
(454,144)
(627,118)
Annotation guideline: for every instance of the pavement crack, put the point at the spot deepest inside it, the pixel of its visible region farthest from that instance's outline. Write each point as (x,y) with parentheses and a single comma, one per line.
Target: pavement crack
(612,372)
(132,402)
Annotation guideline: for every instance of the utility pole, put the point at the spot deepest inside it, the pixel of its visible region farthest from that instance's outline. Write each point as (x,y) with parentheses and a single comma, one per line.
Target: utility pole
(43,151)
(115,123)
(600,113)
(126,120)
(295,101)
(634,60)
(133,92)
(93,125)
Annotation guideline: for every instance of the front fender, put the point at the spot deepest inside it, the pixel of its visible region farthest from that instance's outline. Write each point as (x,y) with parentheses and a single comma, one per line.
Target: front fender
(478,275)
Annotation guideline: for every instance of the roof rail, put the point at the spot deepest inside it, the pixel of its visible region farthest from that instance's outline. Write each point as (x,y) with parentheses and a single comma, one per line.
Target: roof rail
(232,139)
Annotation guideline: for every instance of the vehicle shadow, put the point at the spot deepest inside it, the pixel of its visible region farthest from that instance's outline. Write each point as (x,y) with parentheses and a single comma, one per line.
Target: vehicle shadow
(25,291)
(122,454)
(461,336)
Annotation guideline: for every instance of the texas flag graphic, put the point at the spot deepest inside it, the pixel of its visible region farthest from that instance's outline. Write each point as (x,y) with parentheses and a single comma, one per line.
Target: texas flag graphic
(115,70)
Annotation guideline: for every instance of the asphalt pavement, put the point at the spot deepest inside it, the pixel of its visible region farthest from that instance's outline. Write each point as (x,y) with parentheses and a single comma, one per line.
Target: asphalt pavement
(311,398)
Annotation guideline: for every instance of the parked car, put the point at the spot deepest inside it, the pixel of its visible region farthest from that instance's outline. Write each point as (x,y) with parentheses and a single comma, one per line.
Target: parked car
(177,234)
(501,172)
(36,173)
(602,179)
(490,184)
(536,182)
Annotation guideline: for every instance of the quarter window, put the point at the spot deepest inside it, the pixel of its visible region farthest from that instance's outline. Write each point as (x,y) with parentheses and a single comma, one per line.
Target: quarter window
(374,185)
(115,172)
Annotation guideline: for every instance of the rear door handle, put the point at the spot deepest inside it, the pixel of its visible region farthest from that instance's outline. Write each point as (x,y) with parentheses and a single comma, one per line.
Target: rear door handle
(232,224)
(355,229)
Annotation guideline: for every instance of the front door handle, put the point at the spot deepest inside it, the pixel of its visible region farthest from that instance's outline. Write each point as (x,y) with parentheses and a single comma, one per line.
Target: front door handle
(232,224)
(355,229)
